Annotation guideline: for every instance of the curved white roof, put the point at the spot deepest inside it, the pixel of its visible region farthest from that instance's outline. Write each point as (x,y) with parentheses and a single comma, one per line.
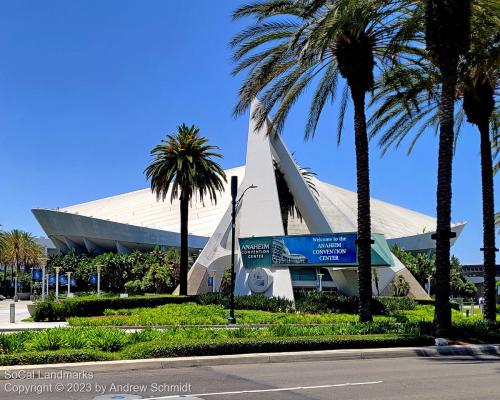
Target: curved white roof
(141,208)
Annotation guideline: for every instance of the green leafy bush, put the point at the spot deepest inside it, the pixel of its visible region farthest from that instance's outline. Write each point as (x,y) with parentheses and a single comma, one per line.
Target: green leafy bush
(12,343)
(391,305)
(53,357)
(253,302)
(134,288)
(264,345)
(49,339)
(92,306)
(195,314)
(481,330)
(108,340)
(321,302)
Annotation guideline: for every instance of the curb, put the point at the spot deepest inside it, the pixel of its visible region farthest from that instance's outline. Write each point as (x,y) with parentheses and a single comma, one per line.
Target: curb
(259,358)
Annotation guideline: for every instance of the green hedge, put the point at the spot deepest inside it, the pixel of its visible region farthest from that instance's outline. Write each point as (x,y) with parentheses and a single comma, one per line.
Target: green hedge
(306,302)
(253,302)
(322,302)
(54,357)
(481,330)
(93,306)
(266,345)
(431,302)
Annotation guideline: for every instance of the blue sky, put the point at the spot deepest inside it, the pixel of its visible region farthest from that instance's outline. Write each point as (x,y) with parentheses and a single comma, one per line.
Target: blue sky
(87,88)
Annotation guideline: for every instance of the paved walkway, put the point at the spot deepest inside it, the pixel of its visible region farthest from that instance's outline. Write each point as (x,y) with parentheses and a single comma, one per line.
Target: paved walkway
(21,314)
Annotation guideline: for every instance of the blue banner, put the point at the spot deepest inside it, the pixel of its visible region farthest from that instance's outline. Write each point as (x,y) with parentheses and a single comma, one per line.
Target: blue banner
(63,280)
(73,282)
(336,249)
(93,280)
(36,275)
(52,280)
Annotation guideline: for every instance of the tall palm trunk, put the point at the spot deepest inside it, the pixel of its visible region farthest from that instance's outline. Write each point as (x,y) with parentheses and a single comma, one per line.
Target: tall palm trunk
(285,210)
(5,279)
(442,315)
(184,204)
(364,221)
(488,223)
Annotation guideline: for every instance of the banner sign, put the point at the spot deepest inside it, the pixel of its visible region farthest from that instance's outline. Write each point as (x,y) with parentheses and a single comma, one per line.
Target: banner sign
(36,275)
(63,280)
(52,280)
(93,280)
(336,249)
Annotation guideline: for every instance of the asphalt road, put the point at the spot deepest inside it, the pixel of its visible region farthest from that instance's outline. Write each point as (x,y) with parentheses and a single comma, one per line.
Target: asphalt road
(442,378)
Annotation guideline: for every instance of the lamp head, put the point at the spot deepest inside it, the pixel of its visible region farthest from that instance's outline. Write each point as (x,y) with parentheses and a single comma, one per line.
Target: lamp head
(234,186)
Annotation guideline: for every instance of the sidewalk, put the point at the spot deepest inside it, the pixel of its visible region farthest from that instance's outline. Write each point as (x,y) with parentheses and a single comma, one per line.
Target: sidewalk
(21,314)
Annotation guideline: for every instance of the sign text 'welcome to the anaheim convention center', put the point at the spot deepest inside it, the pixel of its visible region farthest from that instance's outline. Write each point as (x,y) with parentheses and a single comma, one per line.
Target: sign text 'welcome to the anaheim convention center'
(334,249)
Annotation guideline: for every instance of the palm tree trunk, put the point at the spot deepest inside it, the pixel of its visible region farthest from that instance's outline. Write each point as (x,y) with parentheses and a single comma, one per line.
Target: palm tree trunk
(488,223)
(364,221)
(184,203)
(284,217)
(5,279)
(442,313)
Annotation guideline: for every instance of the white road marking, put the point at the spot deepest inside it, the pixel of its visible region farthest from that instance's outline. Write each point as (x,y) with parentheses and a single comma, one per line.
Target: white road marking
(289,389)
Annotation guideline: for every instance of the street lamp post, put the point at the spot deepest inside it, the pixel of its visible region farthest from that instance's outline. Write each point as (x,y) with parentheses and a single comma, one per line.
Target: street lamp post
(234,204)
(234,192)
(98,279)
(212,277)
(57,282)
(69,283)
(320,282)
(16,298)
(43,282)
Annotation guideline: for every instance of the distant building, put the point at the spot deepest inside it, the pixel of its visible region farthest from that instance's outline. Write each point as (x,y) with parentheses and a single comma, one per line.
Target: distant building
(475,274)
(137,221)
(49,248)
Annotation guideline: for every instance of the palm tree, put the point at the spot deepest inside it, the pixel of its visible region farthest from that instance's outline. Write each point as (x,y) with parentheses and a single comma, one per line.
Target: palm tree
(316,41)
(288,206)
(447,37)
(21,248)
(408,98)
(183,164)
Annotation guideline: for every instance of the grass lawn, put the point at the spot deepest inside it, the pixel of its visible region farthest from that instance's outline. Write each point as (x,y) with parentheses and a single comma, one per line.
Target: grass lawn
(195,314)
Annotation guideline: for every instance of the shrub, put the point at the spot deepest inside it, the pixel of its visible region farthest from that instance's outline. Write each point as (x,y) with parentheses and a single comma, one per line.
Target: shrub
(391,305)
(264,345)
(14,342)
(53,357)
(400,286)
(477,329)
(253,302)
(134,288)
(92,306)
(320,302)
(50,339)
(108,340)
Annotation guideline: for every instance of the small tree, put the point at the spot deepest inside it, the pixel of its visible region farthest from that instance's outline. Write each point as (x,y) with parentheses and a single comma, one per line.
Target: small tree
(401,286)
